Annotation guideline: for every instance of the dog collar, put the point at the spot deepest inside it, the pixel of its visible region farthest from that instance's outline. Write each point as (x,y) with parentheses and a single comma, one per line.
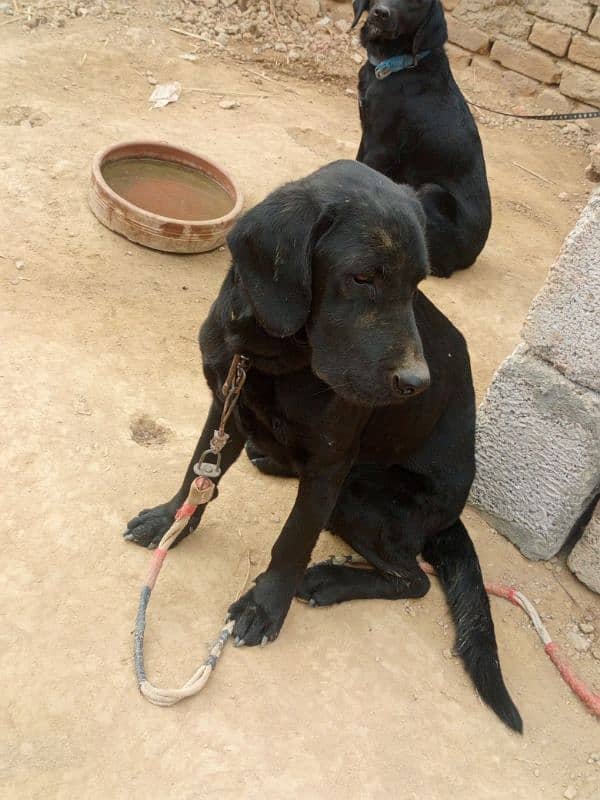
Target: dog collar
(399,63)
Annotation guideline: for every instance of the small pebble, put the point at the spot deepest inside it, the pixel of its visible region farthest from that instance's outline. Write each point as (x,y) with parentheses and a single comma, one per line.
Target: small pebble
(563,196)
(579,642)
(570,793)
(586,627)
(229,104)
(20,264)
(536,772)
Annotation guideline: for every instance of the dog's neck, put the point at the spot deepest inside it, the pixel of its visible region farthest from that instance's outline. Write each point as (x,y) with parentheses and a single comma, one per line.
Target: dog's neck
(381,49)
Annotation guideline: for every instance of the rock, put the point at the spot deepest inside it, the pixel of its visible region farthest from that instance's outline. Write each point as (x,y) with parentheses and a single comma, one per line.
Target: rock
(357,58)
(567,12)
(25,123)
(579,642)
(229,104)
(552,38)
(309,8)
(594,29)
(228,3)
(585,51)
(324,22)
(586,627)
(222,38)
(554,102)
(467,37)
(563,321)
(581,84)
(20,264)
(350,92)
(563,196)
(596,653)
(570,793)
(537,454)
(584,560)
(527,61)
(459,58)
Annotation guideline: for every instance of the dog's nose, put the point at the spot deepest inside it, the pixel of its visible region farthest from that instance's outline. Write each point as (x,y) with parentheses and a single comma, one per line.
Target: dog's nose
(381,12)
(410,381)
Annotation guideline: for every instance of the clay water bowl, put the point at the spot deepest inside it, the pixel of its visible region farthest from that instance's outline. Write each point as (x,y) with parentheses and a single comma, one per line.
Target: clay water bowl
(163,196)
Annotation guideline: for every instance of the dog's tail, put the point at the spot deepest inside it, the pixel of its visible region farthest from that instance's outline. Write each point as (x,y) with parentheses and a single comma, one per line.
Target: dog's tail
(453,556)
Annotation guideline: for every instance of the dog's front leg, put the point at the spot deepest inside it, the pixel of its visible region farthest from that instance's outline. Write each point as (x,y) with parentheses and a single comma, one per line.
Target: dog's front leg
(148,528)
(259,614)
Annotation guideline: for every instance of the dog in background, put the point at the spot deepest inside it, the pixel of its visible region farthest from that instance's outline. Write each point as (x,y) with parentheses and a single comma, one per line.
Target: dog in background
(417,128)
(361,388)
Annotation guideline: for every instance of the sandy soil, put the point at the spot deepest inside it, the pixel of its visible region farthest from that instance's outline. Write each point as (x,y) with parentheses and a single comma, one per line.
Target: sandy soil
(359,701)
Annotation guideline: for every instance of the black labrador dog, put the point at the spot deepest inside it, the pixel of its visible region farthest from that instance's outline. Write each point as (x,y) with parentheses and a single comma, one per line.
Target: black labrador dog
(361,388)
(417,128)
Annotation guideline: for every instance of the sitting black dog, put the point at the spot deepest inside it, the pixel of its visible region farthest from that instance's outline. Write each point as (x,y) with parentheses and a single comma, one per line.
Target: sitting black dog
(417,128)
(360,387)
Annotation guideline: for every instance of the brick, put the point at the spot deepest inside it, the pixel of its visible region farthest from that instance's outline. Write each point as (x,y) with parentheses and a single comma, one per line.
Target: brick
(586,51)
(494,18)
(467,37)
(594,29)
(575,13)
(563,323)
(538,463)
(459,58)
(553,102)
(584,560)
(552,38)
(527,61)
(519,85)
(581,84)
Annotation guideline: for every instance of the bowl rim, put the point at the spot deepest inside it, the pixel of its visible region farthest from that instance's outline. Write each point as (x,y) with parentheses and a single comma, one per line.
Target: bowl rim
(102,156)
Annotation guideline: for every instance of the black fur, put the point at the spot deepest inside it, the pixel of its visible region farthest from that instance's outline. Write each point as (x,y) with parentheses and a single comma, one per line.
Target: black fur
(417,129)
(361,388)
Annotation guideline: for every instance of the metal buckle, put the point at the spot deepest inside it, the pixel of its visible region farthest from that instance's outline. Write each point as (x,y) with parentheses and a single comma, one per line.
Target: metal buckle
(382,71)
(206,469)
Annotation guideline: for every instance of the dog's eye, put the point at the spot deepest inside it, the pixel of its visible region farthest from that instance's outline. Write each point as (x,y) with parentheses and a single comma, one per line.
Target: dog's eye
(363,279)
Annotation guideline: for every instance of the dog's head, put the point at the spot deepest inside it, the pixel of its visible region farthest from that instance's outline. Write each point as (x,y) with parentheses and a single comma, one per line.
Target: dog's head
(340,254)
(420,20)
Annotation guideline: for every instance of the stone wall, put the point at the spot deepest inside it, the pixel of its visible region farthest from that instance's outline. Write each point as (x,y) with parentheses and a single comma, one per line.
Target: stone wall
(552,43)
(538,429)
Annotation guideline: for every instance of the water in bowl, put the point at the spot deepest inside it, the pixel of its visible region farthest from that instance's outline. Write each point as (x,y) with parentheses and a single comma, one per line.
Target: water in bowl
(169,189)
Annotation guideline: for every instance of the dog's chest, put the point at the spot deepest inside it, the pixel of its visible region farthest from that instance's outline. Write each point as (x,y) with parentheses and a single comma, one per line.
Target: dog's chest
(297,413)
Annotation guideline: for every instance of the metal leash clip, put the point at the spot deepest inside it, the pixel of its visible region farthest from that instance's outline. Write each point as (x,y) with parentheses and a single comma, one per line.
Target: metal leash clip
(208,469)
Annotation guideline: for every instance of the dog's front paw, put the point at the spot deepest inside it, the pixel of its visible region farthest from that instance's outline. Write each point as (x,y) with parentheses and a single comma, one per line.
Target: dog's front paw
(150,525)
(260,613)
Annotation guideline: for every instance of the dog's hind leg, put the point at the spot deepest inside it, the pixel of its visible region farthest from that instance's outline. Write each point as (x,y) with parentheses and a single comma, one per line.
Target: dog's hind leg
(326,584)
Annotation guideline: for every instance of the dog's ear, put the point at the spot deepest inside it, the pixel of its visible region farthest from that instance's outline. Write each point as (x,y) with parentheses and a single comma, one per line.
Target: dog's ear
(359,7)
(272,248)
(433,31)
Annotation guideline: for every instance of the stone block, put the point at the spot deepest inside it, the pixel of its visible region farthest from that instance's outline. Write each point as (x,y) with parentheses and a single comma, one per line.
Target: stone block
(495,18)
(527,61)
(581,84)
(553,102)
(563,323)
(586,51)
(552,38)
(594,29)
(459,58)
(576,13)
(467,37)
(584,560)
(538,461)
(518,85)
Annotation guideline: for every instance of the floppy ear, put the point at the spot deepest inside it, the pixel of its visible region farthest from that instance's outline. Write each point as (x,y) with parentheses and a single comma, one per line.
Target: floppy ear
(433,31)
(272,247)
(359,7)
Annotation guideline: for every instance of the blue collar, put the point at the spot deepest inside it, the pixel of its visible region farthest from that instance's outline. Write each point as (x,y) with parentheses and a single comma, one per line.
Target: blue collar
(399,63)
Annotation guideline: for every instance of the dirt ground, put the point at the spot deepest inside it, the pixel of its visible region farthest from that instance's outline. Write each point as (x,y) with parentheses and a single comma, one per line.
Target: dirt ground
(363,701)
